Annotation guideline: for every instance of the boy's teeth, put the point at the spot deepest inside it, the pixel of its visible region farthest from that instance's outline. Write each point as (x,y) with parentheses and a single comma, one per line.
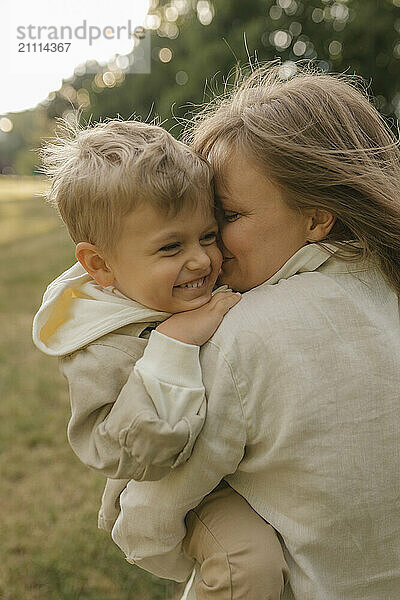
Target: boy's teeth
(195,284)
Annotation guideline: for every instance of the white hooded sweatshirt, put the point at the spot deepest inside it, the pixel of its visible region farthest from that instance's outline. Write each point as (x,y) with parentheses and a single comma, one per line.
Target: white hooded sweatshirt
(127,421)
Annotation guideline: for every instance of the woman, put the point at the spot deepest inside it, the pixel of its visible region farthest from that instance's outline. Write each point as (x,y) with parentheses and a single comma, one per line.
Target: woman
(303,375)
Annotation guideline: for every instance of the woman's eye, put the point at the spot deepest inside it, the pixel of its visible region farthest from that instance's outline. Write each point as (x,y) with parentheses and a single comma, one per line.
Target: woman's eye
(230,217)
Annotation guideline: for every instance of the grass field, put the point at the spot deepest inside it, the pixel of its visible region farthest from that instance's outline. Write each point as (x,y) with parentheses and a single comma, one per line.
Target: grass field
(50,546)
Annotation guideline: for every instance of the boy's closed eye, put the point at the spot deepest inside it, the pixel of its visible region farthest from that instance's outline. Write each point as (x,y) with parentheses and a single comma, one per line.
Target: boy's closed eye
(209,239)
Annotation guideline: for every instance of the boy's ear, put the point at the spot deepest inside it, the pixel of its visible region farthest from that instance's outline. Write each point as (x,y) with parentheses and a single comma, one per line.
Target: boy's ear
(319,224)
(93,262)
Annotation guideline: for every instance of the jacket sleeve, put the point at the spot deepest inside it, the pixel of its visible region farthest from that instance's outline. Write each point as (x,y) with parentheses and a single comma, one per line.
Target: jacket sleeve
(130,421)
(151,524)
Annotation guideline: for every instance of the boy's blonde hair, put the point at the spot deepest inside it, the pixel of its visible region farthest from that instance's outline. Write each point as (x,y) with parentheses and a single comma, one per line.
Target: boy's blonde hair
(320,139)
(101,173)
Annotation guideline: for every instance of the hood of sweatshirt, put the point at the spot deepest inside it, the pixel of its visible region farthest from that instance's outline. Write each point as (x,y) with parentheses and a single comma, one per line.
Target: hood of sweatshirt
(76,311)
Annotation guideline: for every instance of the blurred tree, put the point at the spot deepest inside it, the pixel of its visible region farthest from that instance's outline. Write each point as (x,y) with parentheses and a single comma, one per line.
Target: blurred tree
(18,146)
(206,39)
(194,41)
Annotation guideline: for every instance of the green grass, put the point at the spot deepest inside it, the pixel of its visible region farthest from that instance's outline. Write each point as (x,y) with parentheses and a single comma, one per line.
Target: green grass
(50,546)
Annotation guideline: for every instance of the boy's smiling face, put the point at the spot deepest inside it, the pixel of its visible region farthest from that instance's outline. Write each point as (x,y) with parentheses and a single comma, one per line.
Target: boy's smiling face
(156,256)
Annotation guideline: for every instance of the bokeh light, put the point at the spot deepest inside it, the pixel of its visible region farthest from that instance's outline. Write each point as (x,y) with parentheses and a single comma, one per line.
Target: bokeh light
(98,81)
(69,116)
(281,39)
(205,12)
(109,79)
(171,13)
(340,11)
(275,12)
(6,125)
(335,48)
(287,70)
(119,76)
(169,30)
(68,92)
(122,61)
(181,78)
(165,55)
(152,21)
(295,28)
(324,66)
(182,6)
(292,8)
(83,98)
(299,48)
(317,15)
(80,70)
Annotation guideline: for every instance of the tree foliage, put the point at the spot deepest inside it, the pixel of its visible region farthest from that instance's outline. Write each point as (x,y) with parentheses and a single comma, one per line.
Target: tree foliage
(205,39)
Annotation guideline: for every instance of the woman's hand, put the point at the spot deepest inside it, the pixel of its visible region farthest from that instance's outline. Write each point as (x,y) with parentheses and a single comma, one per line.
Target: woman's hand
(198,325)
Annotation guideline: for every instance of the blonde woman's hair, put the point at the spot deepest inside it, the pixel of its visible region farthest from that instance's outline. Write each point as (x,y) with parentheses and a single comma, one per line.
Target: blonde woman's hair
(320,139)
(102,172)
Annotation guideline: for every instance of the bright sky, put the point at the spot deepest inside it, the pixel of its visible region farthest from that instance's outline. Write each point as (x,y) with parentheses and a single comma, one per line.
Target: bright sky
(28,77)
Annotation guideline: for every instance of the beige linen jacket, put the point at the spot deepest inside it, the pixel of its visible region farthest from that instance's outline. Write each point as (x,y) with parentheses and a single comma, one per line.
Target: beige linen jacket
(303,419)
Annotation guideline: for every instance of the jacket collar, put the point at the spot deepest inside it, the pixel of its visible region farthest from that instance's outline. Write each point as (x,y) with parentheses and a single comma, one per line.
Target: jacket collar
(308,258)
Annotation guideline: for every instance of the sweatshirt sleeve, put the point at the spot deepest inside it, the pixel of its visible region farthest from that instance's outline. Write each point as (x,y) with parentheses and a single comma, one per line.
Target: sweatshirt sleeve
(134,423)
(151,525)
(171,374)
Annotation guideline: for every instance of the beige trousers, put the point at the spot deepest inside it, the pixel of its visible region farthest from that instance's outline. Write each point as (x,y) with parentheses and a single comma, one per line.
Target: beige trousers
(239,553)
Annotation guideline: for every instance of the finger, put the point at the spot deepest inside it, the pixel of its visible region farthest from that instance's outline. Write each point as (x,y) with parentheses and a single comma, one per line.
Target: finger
(226,301)
(222,294)
(223,288)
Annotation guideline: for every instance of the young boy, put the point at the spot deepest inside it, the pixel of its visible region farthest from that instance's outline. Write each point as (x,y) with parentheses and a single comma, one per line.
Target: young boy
(139,206)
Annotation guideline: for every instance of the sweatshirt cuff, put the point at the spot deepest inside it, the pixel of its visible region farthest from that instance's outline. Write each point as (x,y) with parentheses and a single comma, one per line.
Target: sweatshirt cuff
(171,361)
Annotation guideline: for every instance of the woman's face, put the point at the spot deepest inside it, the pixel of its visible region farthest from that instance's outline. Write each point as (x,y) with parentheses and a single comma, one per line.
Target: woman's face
(259,231)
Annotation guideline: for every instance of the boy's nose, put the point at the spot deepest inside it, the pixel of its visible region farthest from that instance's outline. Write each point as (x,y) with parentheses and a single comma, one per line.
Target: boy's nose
(198,260)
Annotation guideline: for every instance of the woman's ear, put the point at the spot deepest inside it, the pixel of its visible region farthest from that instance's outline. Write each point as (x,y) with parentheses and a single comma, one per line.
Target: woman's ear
(93,261)
(319,224)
